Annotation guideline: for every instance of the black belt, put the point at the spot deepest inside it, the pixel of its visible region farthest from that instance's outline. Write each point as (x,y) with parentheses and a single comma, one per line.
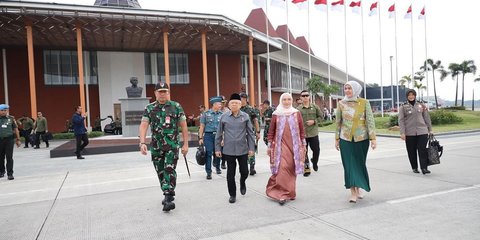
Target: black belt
(211,132)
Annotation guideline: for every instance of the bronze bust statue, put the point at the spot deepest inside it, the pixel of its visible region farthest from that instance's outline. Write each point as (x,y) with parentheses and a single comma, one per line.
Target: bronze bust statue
(134,91)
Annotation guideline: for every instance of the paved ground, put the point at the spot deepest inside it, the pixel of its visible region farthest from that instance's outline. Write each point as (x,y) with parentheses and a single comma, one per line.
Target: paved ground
(117,196)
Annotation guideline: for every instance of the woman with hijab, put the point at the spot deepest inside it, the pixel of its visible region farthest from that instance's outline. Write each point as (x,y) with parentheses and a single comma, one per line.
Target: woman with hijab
(286,148)
(415,125)
(355,131)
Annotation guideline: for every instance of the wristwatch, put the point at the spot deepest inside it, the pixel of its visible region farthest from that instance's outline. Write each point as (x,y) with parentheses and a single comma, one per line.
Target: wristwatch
(140,144)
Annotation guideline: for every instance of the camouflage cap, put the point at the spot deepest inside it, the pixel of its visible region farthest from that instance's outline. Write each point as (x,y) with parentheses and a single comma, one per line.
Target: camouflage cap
(243,95)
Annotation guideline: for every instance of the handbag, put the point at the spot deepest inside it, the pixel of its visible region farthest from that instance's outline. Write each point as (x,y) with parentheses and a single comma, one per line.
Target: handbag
(200,155)
(47,136)
(434,150)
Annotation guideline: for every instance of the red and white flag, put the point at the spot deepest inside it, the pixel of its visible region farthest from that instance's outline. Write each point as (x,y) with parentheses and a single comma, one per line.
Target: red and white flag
(321,5)
(355,6)
(391,11)
(278,3)
(301,4)
(422,14)
(408,15)
(259,3)
(373,9)
(337,6)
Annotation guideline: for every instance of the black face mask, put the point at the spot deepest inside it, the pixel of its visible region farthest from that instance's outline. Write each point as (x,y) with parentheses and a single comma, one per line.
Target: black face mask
(412,102)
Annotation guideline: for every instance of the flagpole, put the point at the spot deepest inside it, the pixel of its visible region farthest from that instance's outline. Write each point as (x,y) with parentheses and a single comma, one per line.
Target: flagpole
(346,47)
(381,56)
(309,52)
(269,82)
(328,56)
(363,54)
(426,56)
(288,53)
(396,57)
(411,33)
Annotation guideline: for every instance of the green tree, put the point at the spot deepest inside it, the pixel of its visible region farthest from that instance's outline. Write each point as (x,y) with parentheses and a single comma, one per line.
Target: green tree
(454,72)
(466,67)
(430,65)
(419,85)
(407,79)
(316,85)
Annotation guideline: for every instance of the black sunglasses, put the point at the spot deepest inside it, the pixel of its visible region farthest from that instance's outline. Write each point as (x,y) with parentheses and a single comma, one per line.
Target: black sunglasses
(308,95)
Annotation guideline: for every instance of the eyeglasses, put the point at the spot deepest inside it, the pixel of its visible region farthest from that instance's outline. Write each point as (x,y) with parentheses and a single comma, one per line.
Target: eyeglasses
(307,95)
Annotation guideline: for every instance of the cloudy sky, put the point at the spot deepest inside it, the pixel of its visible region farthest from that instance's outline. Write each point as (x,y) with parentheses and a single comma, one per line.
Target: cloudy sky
(451,34)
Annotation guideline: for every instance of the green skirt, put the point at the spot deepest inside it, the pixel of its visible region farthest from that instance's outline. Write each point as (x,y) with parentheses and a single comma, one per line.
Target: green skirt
(354,157)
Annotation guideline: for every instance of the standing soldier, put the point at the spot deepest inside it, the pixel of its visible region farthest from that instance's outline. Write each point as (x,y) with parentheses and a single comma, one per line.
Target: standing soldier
(312,116)
(256,127)
(267,114)
(164,117)
(8,131)
(27,126)
(208,129)
(40,128)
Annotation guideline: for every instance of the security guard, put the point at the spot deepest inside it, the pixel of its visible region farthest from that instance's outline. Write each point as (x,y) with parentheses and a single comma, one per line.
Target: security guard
(27,126)
(267,115)
(254,119)
(165,117)
(8,131)
(208,128)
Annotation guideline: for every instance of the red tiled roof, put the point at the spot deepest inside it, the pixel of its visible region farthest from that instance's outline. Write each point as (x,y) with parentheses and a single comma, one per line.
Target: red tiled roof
(282,32)
(256,20)
(303,44)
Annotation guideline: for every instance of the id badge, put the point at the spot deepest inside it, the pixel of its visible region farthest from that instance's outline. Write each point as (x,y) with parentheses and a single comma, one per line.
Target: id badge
(167,120)
(4,126)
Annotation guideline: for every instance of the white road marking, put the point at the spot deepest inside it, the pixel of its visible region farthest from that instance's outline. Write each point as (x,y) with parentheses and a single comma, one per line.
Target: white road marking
(401,200)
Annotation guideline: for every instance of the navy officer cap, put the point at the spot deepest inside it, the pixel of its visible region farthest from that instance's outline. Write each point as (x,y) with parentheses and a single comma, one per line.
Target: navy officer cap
(4,107)
(215,99)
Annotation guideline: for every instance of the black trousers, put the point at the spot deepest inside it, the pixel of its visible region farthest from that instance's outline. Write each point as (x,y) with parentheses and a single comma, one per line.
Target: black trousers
(6,150)
(232,168)
(82,142)
(314,144)
(26,134)
(37,138)
(417,144)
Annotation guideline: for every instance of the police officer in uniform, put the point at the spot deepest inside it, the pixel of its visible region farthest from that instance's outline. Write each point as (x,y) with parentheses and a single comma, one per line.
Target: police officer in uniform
(165,117)
(254,119)
(267,115)
(27,126)
(9,136)
(208,128)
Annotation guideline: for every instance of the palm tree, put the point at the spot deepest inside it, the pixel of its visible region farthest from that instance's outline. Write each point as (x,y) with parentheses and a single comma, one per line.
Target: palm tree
(419,85)
(454,72)
(406,79)
(473,93)
(466,67)
(430,65)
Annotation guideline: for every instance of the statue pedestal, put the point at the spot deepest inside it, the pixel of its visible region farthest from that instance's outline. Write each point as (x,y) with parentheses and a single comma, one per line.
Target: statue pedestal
(132,111)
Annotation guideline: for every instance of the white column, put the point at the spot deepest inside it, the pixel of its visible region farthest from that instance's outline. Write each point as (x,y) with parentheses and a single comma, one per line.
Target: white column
(259,82)
(86,65)
(217,75)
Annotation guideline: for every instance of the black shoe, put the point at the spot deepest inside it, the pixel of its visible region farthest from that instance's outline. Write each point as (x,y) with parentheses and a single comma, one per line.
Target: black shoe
(10,177)
(80,157)
(36,147)
(168,203)
(243,189)
(168,198)
(223,166)
(415,171)
(2,175)
(219,171)
(425,171)
(231,199)
(306,171)
(25,147)
(252,169)
(315,167)
(282,201)
(48,145)
(209,176)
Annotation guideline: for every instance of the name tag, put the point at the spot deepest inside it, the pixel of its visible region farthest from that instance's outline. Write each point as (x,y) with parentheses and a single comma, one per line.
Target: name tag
(167,120)
(4,126)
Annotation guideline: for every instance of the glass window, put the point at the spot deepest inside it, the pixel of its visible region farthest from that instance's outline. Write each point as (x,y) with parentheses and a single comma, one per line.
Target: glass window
(61,67)
(178,63)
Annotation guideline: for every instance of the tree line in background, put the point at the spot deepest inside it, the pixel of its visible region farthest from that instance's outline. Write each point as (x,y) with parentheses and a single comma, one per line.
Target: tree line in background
(454,70)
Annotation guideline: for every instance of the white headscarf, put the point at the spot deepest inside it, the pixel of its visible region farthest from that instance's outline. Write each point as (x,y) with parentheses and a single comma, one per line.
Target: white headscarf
(282,110)
(356,88)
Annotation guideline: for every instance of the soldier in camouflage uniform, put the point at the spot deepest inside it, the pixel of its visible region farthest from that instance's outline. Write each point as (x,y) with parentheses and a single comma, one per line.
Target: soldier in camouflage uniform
(164,117)
(9,136)
(267,114)
(254,119)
